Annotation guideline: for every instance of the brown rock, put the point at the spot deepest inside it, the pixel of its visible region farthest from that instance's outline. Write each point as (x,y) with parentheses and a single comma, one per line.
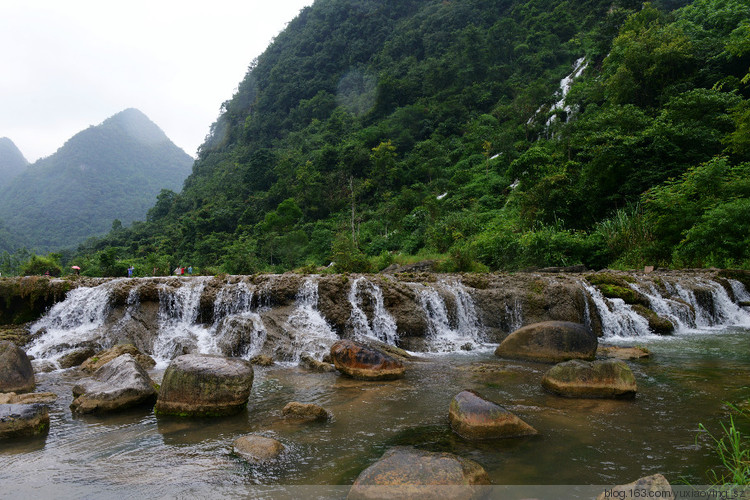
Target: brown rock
(610,378)
(360,362)
(623,352)
(549,342)
(405,472)
(103,357)
(257,449)
(23,420)
(205,385)
(29,398)
(473,417)
(655,486)
(314,365)
(76,357)
(16,372)
(262,360)
(305,411)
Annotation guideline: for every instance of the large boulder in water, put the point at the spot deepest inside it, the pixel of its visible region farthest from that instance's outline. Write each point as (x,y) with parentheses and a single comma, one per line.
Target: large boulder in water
(549,342)
(358,361)
(121,383)
(16,372)
(197,385)
(473,417)
(610,378)
(23,420)
(405,472)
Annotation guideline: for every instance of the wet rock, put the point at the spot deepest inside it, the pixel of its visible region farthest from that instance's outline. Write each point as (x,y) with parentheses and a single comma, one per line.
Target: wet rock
(473,417)
(549,342)
(238,335)
(305,411)
(617,352)
(121,383)
(405,472)
(29,398)
(16,372)
(205,385)
(43,366)
(23,420)
(312,364)
(76,357)
(610,378)
(257,449)
(655,486)
(262,360)
(657,324)
(360,362)
(103,357)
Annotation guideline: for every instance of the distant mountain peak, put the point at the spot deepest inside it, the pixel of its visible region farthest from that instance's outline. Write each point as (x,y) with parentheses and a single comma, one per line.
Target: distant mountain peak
(12,161)
(137,125)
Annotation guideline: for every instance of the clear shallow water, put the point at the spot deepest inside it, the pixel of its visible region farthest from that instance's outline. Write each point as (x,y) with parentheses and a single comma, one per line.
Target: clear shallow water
(581,441)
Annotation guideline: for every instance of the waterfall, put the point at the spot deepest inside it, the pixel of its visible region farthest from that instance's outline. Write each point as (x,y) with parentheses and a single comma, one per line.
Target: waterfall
(618,318)
(312,333)
(442,337)
(514,315)
(740,293)
(73,322)
(179,332)
(383,326)
(679,313)
(232,299)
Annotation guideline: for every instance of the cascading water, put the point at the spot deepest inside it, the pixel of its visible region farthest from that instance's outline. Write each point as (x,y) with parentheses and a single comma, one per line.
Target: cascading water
(237,330)
(679,313)
(383,326)
(312,333)
(179,332)
(618,318)
(442,337)
(73,322)
(740,293)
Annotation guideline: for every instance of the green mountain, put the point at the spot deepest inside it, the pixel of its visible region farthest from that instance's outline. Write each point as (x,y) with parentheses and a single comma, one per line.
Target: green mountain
(12,161)
(110,171)
(376,130)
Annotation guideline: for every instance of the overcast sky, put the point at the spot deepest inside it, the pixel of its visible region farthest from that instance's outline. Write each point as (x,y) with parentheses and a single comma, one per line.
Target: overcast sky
(69,64)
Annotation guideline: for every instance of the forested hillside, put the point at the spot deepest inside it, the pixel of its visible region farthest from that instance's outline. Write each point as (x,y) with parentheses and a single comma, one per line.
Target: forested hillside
(377,130)
(12,161)
(106,172)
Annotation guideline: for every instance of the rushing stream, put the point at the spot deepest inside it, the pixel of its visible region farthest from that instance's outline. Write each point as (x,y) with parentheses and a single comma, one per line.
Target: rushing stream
(581,442)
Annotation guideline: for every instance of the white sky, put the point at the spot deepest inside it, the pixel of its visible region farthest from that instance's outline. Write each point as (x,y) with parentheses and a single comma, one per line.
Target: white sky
(69,64)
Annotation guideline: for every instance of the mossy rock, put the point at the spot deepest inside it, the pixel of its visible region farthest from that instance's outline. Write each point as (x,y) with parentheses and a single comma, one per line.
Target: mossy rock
(628,295)
(609,378)
(657,324)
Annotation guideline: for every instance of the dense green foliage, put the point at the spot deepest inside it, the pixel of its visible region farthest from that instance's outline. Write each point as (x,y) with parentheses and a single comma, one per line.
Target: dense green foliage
(110,171)
(373,130)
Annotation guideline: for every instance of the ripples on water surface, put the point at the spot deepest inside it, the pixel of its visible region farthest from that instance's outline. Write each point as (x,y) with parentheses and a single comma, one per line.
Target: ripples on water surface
(580,441)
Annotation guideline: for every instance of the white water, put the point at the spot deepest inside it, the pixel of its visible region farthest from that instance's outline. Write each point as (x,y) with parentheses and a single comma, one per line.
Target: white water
(619,320)
(382,327)
(565,84)
(739,291)
(467,332)
(76,320)
(312,333)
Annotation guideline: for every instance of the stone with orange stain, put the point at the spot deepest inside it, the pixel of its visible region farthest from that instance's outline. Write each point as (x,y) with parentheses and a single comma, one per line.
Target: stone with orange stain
(364,363)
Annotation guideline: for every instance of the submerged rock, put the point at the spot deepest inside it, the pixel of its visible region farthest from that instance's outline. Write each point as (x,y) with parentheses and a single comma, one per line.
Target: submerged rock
(203,385)
(405,472)
(305,411)
(473,417)
(257,449)
(29,398)
(121,383)
(103,357)
(610,378)
(23,420)
(16,372)
(655,486)
(312,364)
(360,362)
(549,342)
(623,352)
